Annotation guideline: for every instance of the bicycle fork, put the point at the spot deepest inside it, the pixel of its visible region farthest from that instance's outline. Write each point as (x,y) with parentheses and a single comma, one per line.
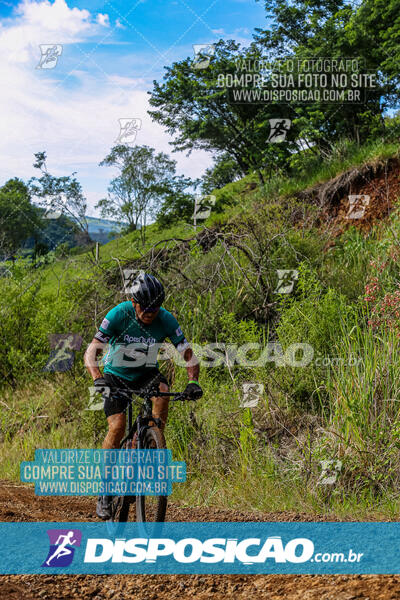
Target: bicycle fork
(142,424)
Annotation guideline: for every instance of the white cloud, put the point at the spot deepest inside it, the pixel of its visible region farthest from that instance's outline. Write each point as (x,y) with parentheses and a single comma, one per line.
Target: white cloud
(75,124)
(119,25)
(103,20)
(242,35)
(130,82)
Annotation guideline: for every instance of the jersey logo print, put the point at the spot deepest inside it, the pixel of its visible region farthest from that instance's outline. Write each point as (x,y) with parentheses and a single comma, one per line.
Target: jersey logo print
(105,323)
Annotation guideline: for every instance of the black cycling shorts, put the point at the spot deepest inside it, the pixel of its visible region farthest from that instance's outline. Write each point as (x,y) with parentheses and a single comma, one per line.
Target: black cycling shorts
(116,402)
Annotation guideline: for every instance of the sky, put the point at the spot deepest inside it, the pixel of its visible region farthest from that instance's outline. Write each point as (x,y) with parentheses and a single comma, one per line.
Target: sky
(110,54)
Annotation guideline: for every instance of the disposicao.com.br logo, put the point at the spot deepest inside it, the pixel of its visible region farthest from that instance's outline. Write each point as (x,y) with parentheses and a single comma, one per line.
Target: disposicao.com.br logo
(199,547)
(248,551)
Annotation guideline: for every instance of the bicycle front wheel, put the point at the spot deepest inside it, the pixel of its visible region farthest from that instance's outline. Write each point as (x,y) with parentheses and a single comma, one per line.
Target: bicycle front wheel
(152,508)
(120,504)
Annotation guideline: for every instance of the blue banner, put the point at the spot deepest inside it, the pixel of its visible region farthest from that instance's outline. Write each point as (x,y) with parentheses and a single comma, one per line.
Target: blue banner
(194,548)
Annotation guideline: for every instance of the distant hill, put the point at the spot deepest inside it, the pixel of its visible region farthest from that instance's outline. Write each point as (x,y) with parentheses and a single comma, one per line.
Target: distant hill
(103,230)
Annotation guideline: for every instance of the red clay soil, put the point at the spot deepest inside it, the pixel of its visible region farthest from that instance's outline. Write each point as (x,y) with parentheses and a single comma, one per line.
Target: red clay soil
(18,503)
(383,190)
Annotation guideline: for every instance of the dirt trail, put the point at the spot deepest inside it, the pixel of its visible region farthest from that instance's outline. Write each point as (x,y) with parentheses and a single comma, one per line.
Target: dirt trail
(18,503)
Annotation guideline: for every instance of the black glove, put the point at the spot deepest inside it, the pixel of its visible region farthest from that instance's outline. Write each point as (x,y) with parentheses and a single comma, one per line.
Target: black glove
(193,391)
(101,386)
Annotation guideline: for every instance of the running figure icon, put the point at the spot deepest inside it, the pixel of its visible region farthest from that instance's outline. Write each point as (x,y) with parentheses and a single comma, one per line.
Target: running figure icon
(62,549)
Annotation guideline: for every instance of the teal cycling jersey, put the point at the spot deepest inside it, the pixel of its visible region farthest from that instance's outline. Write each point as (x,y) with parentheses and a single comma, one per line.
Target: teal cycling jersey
(133,345)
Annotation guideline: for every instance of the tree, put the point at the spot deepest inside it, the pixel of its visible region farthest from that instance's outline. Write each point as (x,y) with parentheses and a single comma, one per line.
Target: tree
(224,171)
(52,232)
(375,29)
(145,179)
(195,106)
(319,29)
(178,203)
(18,217)
(62,194)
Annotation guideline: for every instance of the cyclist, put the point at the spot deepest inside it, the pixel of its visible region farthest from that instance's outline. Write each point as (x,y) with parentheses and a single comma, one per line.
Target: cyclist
(134,330)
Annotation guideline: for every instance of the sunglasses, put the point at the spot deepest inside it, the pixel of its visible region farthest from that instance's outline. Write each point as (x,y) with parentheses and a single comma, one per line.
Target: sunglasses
(150,310)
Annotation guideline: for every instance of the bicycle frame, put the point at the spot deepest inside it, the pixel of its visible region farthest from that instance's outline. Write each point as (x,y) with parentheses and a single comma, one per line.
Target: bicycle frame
(145,415)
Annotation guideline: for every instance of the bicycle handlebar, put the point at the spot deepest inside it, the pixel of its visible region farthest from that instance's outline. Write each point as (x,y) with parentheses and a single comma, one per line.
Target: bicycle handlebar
(174,396)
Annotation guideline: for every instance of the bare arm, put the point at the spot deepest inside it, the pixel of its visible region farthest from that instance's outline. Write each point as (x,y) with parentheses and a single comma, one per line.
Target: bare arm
(192,367)
(90,358)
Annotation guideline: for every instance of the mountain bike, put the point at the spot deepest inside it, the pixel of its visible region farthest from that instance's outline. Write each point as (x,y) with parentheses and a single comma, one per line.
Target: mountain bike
(149,436)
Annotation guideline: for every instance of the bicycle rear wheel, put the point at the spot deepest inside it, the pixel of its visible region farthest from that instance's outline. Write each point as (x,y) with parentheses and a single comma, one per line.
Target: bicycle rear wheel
(152,508)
